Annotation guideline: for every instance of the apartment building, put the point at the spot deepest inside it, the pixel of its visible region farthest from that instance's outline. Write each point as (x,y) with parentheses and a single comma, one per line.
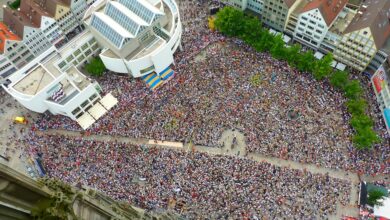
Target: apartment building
(315,20)
(7,40)
(27,29)
(365,35)
(252,5)
(275,13)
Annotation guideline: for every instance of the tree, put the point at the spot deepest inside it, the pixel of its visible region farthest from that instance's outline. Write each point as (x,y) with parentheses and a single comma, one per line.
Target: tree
(265,42)
(14,5)
(278,50)
(339,79)
(292,54)
(251,31)
(352,89)
(229,21)
(365,138)
(95,67)
(356,106)
(374,197)
(306,61)
(361,122)
(322,67)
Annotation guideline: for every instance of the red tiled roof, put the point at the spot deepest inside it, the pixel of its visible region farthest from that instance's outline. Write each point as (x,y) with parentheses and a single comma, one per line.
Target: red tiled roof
(329,8)
(6,34)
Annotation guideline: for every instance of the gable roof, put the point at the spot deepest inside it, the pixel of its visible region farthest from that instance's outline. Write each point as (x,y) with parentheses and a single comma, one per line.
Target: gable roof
(6,34)
(289,3)
(329,8)
(374,15)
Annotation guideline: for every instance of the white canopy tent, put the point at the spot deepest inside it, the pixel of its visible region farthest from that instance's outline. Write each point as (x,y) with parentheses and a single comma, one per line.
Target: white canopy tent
(341,66)
(97,111)
(384,210)
(85,120)
(318,55)
(333,64)
(108,101)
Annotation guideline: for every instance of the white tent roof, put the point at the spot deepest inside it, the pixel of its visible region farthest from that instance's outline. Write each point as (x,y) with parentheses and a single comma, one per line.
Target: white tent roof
(286,38)
(108,101)
(97,111)
(333,64)
(318,55)
(85,120)
(384,210)
(272,31)
(341,66)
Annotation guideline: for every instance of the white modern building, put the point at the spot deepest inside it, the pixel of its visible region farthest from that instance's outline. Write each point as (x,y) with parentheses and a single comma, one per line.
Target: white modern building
(315,20)
(136,37)
(52,82)
(139,37)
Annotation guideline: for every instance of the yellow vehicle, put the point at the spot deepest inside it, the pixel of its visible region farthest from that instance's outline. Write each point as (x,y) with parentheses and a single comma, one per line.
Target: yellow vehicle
(211,23)
(20,120)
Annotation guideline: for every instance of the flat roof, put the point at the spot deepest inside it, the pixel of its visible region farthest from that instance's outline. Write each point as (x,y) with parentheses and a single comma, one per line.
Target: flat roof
(34,82)
(342,23)
(143,51)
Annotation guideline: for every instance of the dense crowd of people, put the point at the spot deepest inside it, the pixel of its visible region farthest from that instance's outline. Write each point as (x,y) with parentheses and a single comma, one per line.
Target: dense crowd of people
(214,90)
(196,185)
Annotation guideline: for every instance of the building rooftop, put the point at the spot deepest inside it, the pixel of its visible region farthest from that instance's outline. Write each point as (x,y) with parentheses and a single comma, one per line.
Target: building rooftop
(328,8)
(6,34)
(343,20)
(34,81)
(16,21)
(289,3)
(373,14)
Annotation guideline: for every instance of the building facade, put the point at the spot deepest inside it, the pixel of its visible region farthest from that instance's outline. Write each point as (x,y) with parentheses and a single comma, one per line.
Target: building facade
(315,20)
(365,35)
(381,83)
(138,37)
(52,82)
(275,13)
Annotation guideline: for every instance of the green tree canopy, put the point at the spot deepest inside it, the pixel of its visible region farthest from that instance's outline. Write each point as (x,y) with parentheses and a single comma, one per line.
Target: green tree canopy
(230,22)
(251,30)
(339,79)
(278,49)
(95,67)
(292,54)
(365,138)
(356,106)
(353,89)
(374,197)
(14,5)
(306,61)
(361,122)
(322,67)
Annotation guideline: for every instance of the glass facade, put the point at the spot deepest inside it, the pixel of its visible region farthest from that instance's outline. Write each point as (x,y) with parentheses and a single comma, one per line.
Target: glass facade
(140,10)
(107,31)
(122,19)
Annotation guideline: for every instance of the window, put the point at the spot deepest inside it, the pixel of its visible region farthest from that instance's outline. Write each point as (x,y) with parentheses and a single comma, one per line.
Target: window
(85,103)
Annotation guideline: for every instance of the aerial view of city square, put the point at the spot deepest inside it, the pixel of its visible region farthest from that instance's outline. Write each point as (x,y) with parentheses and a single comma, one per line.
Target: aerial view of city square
(195,109)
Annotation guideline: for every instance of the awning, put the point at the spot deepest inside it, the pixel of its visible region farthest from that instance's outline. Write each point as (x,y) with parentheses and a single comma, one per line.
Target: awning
(341,66)
(108,101)
(97,111)
(85,120)
(333,64)
(318,55)
(286,38)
